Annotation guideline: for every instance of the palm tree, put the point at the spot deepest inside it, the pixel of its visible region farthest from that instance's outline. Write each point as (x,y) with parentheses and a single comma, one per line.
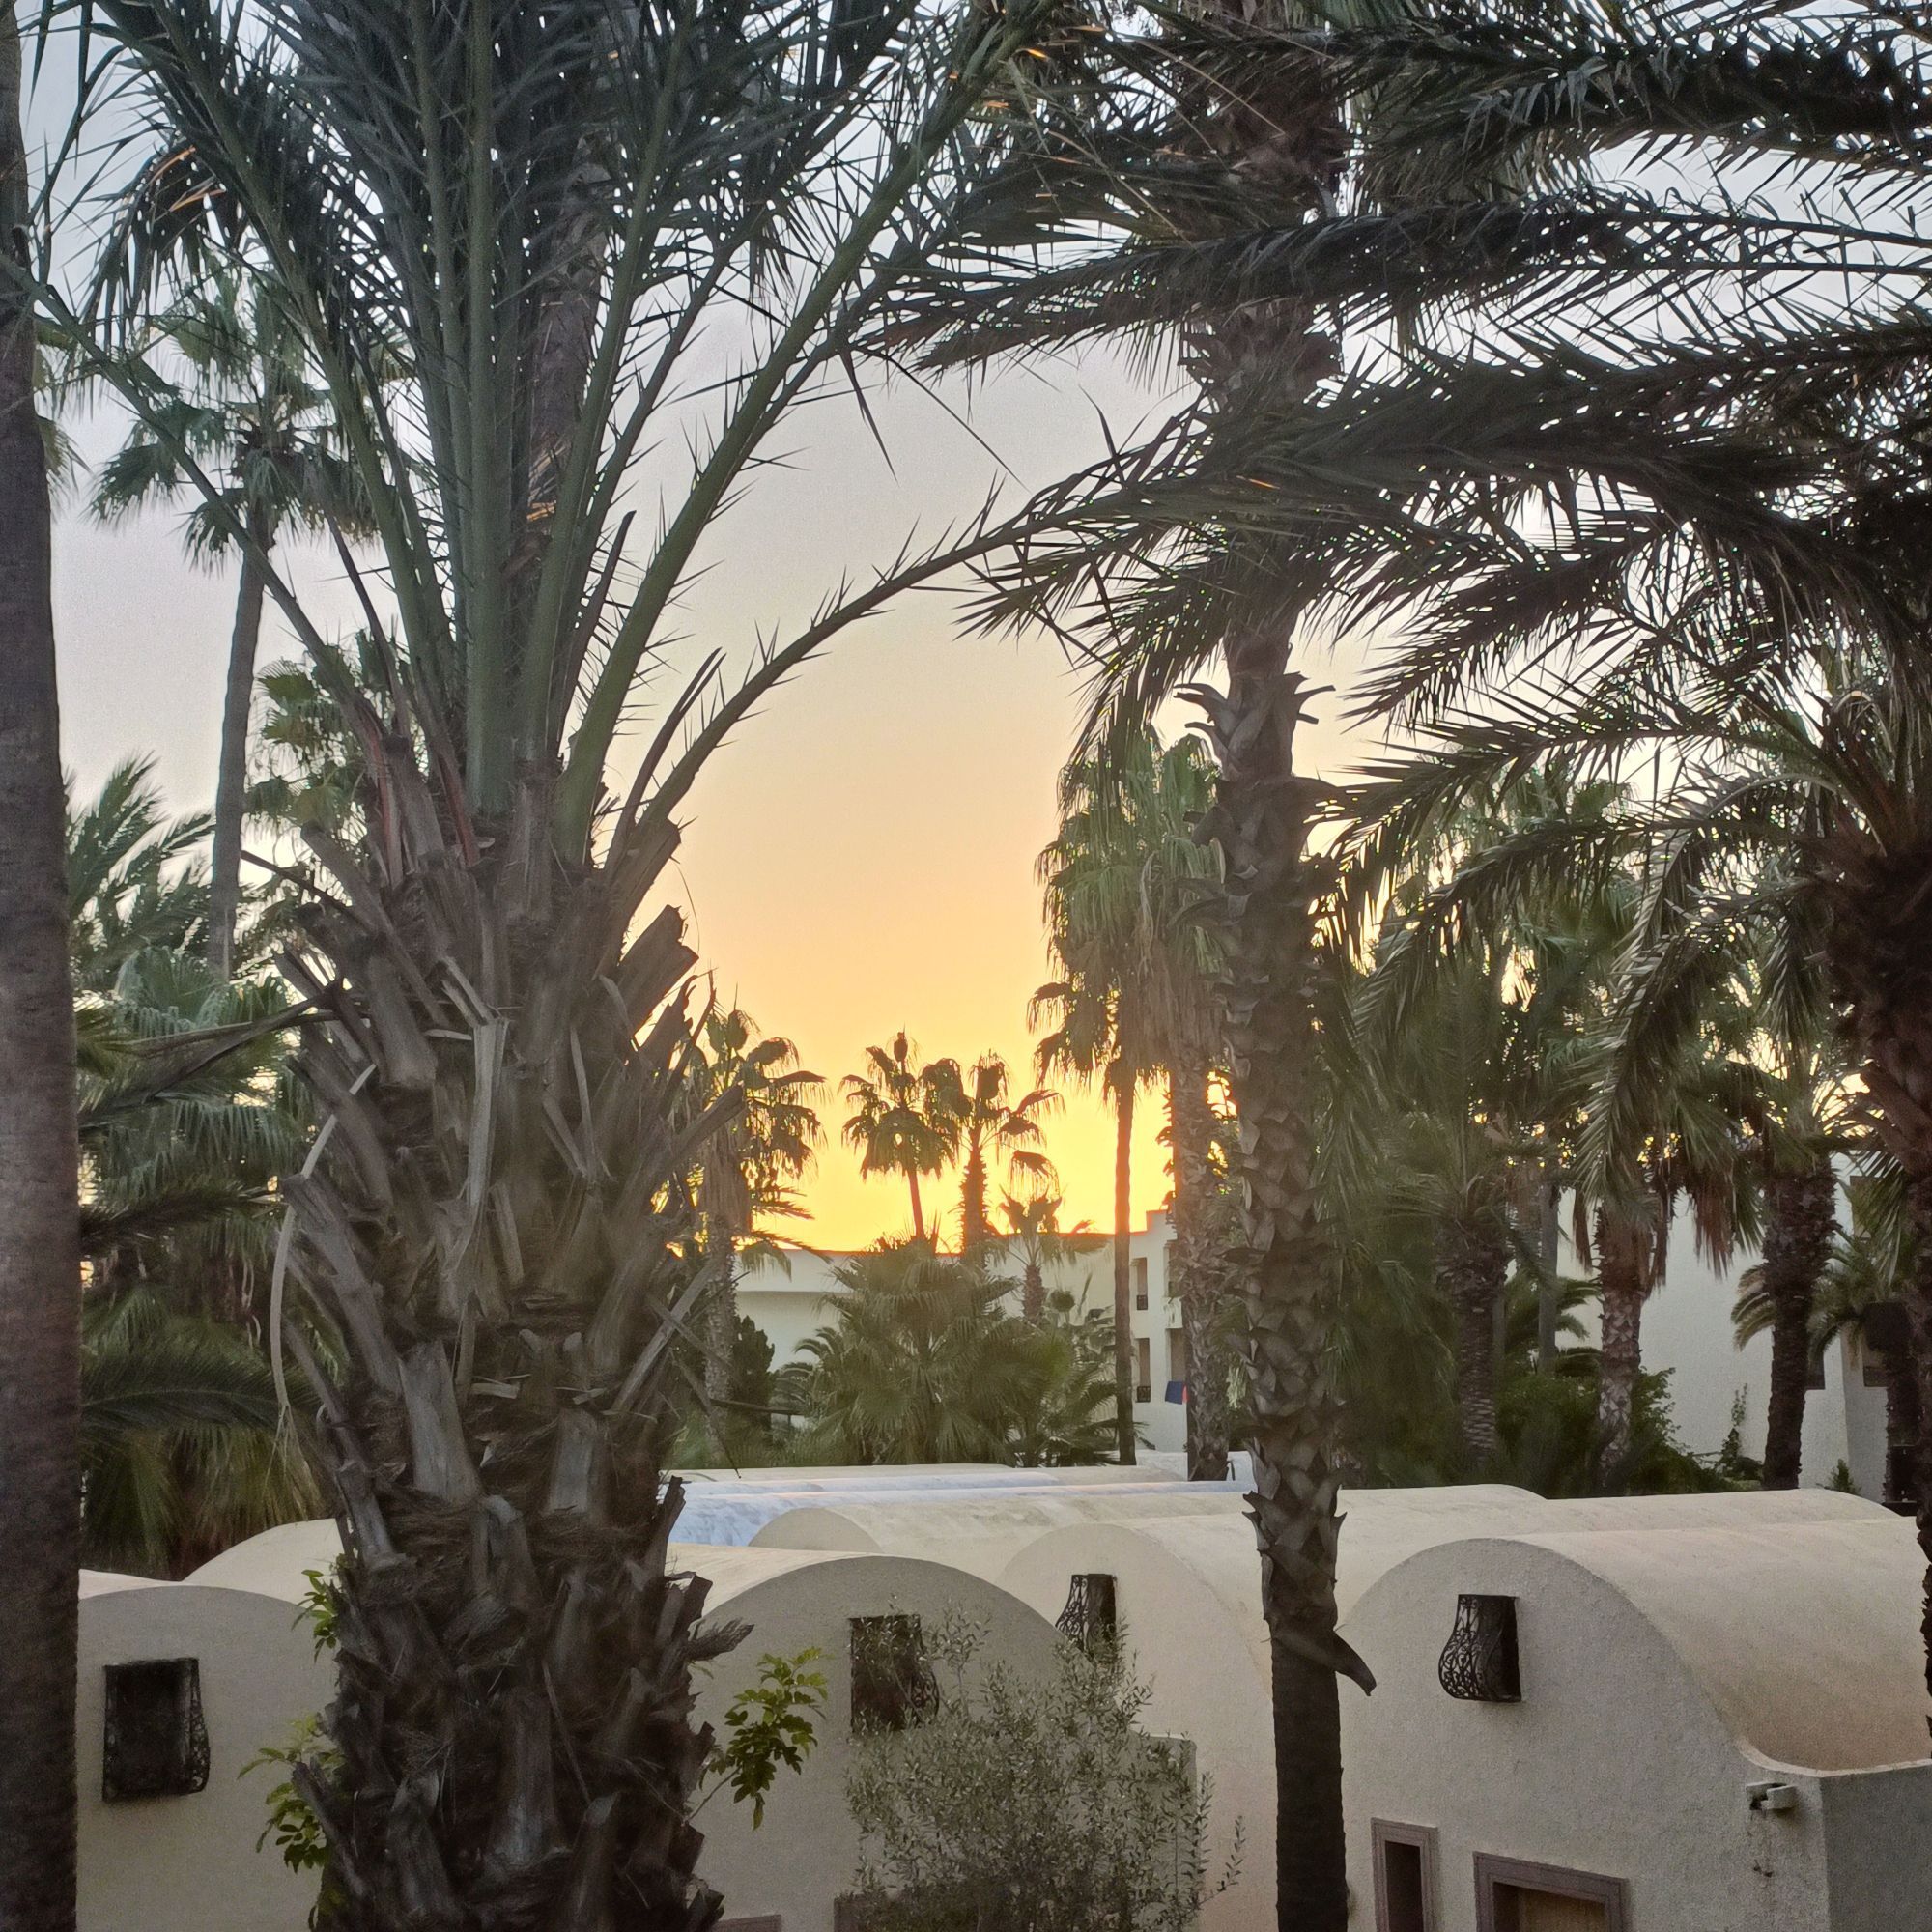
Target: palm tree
(506,238)
(991,1127)
(1124,883)
(747,1169)
(1860,1291)
(130,888)
(918,1363)
(905,1118)
(39,1264)
(1036,1239)
(250,408)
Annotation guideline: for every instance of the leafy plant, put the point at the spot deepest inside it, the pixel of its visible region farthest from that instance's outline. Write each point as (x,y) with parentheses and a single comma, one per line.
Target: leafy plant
(769,1729)
(1023,1805)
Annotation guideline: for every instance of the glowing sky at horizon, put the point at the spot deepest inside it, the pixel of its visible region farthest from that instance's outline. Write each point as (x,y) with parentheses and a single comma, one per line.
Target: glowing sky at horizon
(860,858)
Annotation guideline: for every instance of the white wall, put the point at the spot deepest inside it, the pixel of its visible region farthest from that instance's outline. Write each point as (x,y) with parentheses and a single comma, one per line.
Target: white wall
(190,1864)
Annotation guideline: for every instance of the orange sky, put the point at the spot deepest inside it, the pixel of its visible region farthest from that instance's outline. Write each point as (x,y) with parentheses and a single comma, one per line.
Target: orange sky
(860,858)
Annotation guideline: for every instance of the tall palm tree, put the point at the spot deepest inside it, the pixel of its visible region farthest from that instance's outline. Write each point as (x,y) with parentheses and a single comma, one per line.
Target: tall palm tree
(747,1169)
(249,408)
(1125,880)
(990,1126)
(905,1116)
(507,235)
(39,1262)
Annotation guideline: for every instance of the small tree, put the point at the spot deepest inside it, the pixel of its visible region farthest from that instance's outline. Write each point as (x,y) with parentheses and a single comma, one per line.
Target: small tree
(1016,1805)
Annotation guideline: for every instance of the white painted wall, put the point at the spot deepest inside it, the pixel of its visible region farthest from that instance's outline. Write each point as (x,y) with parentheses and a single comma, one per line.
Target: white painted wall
(190,1864)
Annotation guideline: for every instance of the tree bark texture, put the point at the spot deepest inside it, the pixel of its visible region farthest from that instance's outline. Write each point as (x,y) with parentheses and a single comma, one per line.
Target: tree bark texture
(1472,1266)
(1801,1216)
(1124,1449)
(230,784)
(1902,1425)
(1261,819)
(973,1227)
(1878,941)
(1033,1294)
(40,1230)
(1548,1290)
(495,1235)
(721,1341)
(1196,1277)
(1622,1286)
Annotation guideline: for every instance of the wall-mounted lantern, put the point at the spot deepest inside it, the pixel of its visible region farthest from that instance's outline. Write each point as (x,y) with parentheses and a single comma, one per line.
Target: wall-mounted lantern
(1479,1662)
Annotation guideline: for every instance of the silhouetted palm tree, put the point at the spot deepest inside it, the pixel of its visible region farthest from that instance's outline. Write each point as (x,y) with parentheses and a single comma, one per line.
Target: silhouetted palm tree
(905,1116)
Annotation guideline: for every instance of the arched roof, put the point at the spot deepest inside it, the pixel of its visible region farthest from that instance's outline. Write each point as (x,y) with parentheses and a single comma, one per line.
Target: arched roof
(1805,1637)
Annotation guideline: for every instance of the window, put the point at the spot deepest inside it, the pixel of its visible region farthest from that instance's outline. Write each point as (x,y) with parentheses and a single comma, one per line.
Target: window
(1405,1858)
(155,1743)
(1142,1370)
(893,1685)
(1512,1896)
(1139,1282)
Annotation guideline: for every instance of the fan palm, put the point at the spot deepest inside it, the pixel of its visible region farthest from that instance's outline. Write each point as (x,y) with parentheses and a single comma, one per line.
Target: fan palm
(919,1363)
(507,235)
(40,1267)
(905,1118)
(992,1125)
(247,407)
(748,1169)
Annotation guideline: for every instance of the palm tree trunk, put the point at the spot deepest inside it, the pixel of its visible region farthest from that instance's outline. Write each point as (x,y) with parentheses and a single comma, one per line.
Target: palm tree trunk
(1191,1129)
(231,786)
(1262,821)
(40,1230)
(1548,1290)
(973,1201)
(1473,1268)
(1619,1281)
(1902,1424)
(1801,1210)
(496,1236)
(918,1211)
(1033,1294)
(1124,1448)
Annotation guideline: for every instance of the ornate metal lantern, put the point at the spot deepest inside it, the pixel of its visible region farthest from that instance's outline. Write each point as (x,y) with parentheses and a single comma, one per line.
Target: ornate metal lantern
(893,1685)
(155,1743)
(1479,1662)
(1092,1616)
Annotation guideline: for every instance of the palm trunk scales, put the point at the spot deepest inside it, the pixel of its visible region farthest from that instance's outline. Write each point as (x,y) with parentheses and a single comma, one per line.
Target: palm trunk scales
(1262,819)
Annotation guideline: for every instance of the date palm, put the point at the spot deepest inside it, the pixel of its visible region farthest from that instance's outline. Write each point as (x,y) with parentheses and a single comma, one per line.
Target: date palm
(39,1263)
(506,236)
(992,1126)
(246,407)
(905,1116)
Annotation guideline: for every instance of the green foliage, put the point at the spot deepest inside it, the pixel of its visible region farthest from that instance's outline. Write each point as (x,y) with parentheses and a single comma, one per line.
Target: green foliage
(293,1827)
(770,1727)
(923,1362)
(1016,1805)
(1842,1480)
